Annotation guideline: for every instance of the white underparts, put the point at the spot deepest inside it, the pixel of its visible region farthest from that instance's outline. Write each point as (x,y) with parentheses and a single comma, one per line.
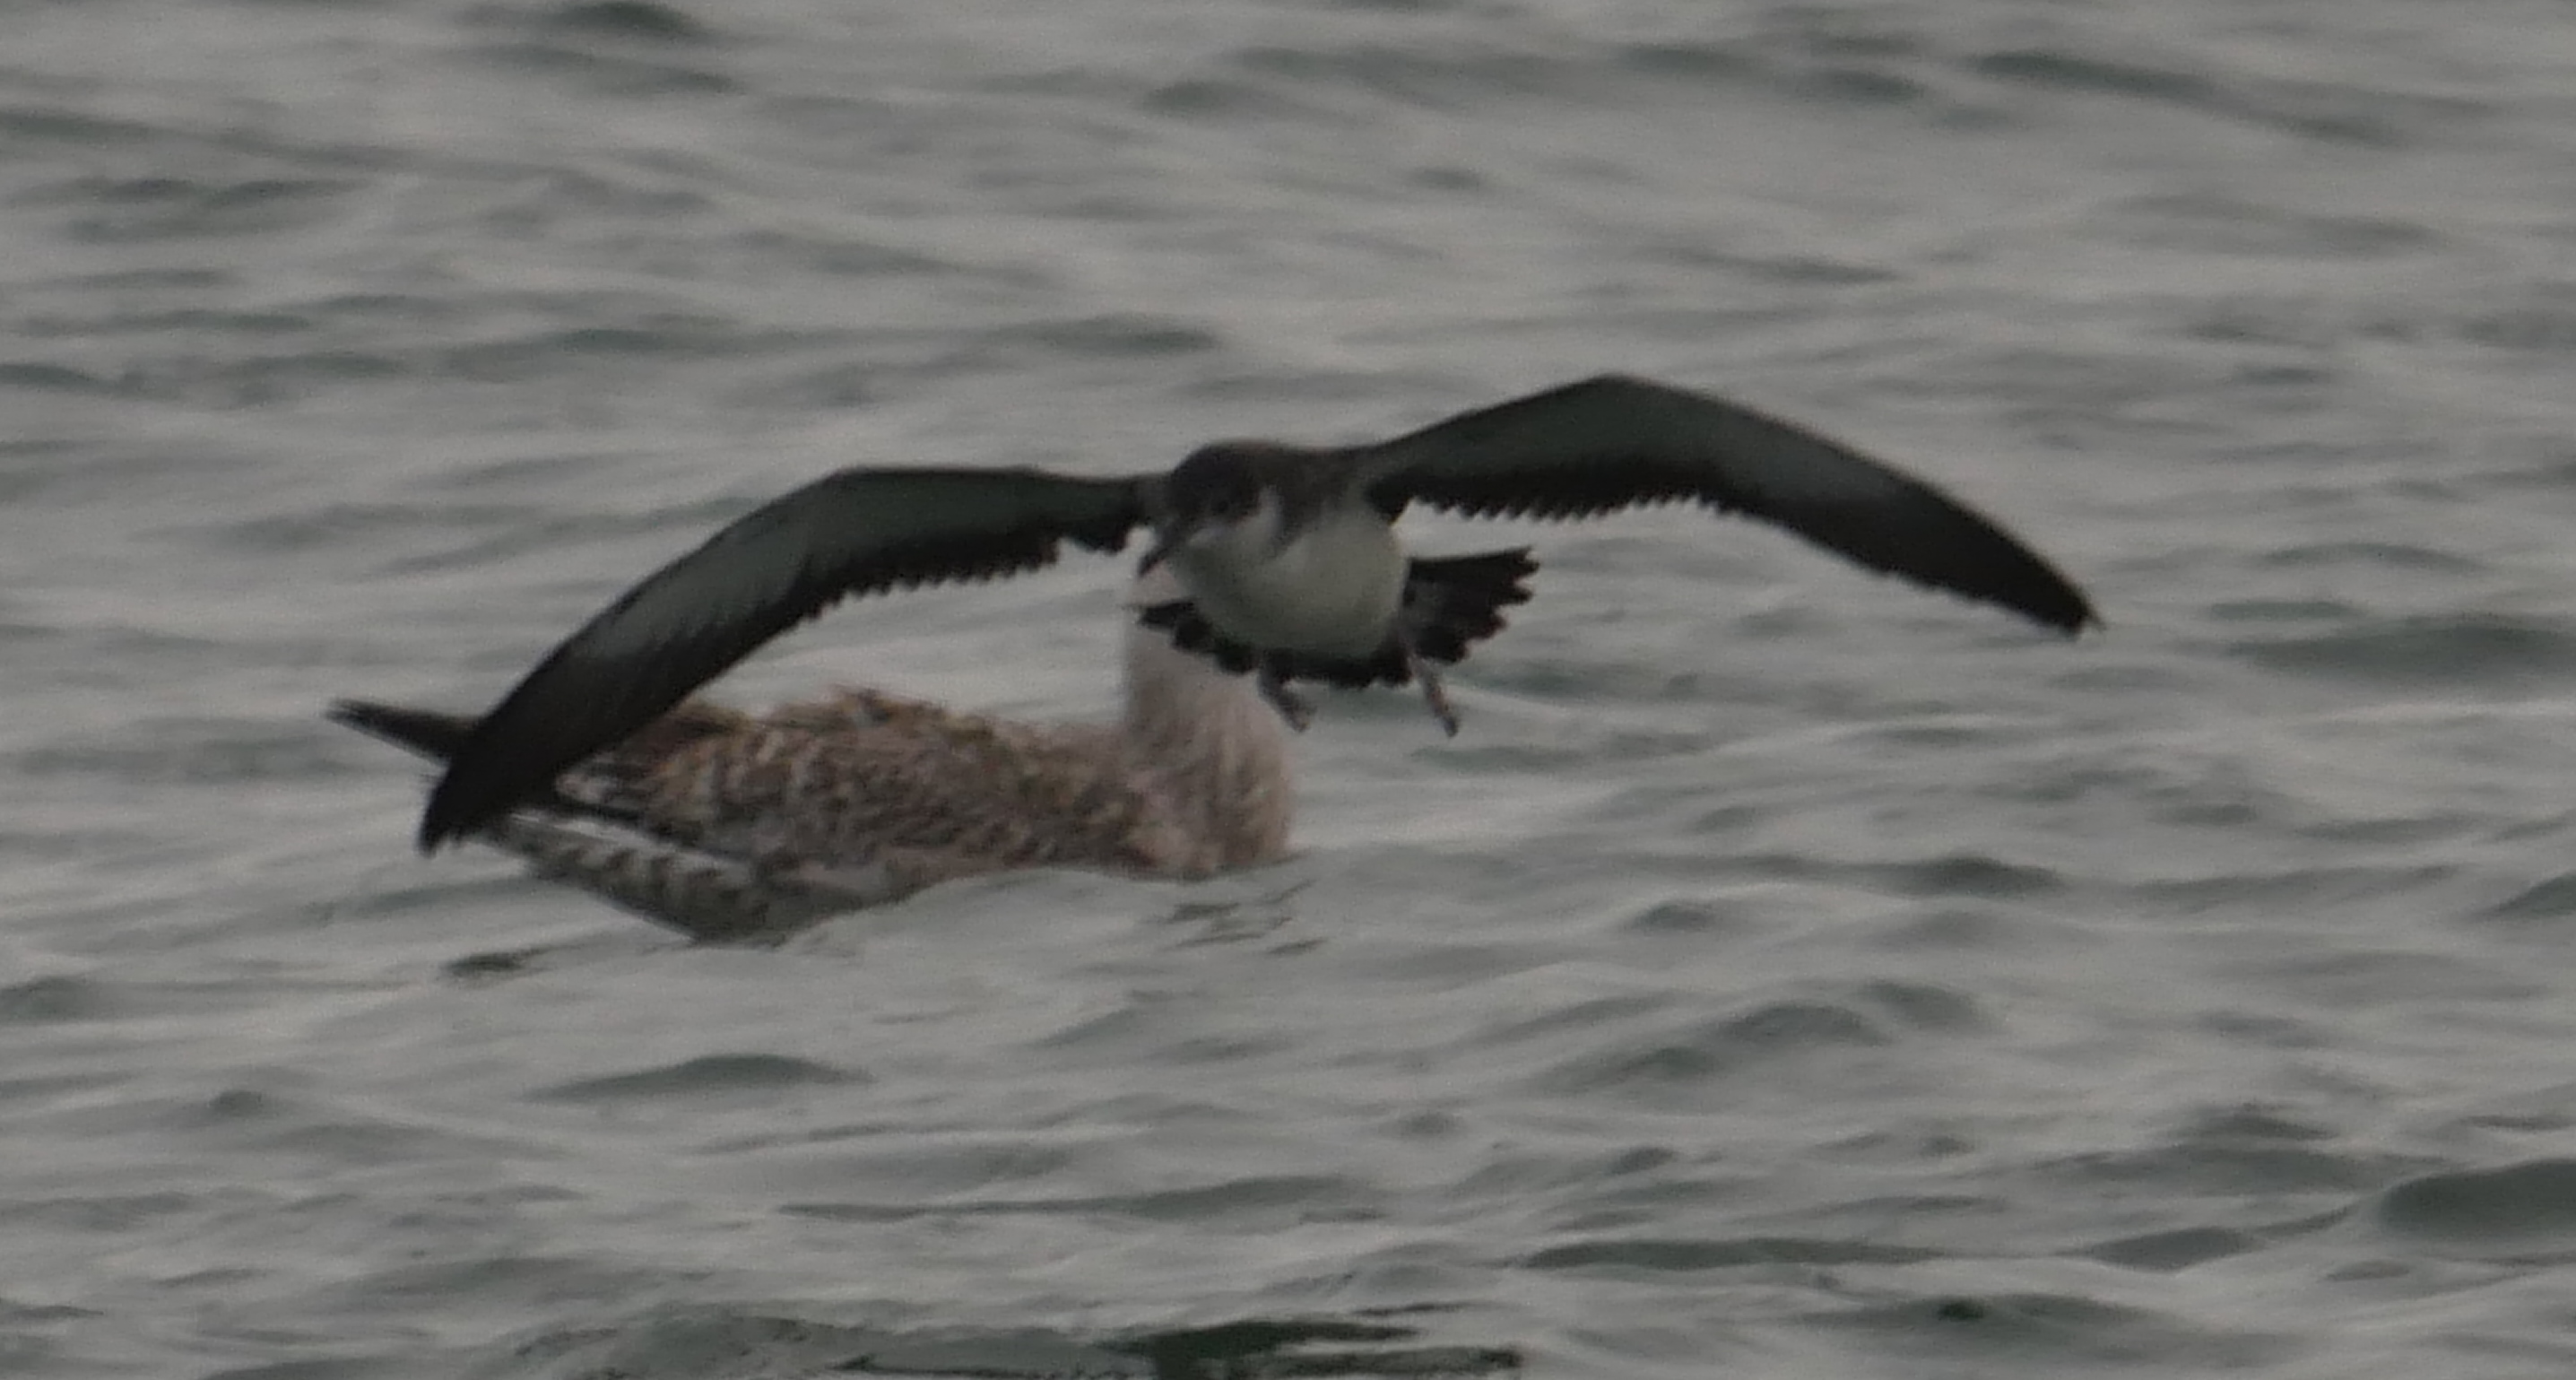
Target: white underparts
(1332,588)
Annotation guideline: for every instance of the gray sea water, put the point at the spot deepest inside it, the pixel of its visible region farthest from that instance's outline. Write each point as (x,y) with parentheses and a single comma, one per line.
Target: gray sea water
(1786,973)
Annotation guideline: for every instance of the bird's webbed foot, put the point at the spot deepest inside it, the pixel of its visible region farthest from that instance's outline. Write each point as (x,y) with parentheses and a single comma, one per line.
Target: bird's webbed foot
(1291,706)
(1434,693)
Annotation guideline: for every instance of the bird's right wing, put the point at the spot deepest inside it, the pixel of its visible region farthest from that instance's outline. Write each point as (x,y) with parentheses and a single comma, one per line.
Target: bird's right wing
(857,532)
(1602,444)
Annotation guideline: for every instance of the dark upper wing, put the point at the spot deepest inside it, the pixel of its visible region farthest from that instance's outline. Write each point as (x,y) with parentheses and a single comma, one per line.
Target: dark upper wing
(1606,443)
(855,532)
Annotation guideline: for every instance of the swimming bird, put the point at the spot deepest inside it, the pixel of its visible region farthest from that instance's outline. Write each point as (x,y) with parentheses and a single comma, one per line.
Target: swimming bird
(727,827)
(1268,558)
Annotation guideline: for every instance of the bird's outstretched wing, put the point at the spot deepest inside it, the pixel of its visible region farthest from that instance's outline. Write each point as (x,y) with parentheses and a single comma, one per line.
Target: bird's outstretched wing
(1610,442)
(855,532)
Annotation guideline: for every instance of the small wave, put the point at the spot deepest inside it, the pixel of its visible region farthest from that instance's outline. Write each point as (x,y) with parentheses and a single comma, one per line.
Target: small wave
(2458,649)
(707,1075)
(2512,1209)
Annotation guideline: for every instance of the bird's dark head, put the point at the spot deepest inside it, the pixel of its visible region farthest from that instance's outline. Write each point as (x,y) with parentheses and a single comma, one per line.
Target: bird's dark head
(1225,493)
(1221,482)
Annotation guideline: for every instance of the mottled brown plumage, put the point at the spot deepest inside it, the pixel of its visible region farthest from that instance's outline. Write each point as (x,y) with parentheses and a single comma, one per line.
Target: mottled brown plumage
(730,826)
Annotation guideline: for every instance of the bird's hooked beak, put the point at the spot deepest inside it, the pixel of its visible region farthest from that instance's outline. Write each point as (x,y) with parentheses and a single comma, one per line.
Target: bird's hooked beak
(1177,532)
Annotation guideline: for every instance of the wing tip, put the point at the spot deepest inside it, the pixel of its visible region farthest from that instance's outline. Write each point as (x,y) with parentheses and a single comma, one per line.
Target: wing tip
(437,830)
(2063,611)
(2071,610)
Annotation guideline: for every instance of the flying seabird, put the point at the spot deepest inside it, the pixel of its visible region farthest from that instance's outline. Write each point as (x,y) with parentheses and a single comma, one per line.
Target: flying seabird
(1267,558)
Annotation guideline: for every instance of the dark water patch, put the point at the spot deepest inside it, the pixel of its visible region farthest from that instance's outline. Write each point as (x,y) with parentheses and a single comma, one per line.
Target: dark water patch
(351,1367)
(2076,72)
(1977,876)
(2360,977)
(616,48)
(2330,112)
(2214,223)
(692,1342)
(1254,920)
(2247,1123)
(2549,900)
(1665,1255)
(51,1000)
(129,210)
(41,377)
(193,752)
(1238,96)
(1925,1006)
(624,19)
(2179,1249)
(661,337)
(202,381)
(2462,649)
(1117,335)
(2514,1209)
(575,203)
(331,527)
(1704,918)
(1266,1200)
(24,127)
(261,380)
(609,74)
(1423,76)
(38,1087)
(2115,677)
(1271,1197)
(515,1282)
(1688,1061)
(2298,890)
(2058,1334)
(712,1075)
(152,280)
(1845,71)
(168,321)
(1802,268)
(310,1131)
(842,256)
(1710,62)
(2219,1168)
(1612,1175)
(2535,325)
(1944,733)
(1970,930)
(2271,611)
(939,1172)
(1295,1346)
(1589,1014)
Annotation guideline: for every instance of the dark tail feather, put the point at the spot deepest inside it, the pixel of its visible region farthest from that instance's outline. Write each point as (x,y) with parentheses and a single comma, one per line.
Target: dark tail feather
(1450,604)
(1455,602)
(436,736)
(426,732)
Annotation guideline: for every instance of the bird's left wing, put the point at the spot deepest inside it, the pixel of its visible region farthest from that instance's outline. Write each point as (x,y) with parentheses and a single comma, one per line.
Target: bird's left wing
(856,532)
(1610,442)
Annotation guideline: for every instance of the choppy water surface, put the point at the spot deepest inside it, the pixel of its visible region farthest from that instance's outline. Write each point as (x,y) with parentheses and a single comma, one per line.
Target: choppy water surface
(1785,973)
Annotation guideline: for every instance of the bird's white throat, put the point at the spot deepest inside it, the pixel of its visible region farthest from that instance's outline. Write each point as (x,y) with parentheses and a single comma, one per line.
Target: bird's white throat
(1331,587)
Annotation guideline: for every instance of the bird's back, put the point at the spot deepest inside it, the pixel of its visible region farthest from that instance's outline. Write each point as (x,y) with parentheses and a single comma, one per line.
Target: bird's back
(727,825)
